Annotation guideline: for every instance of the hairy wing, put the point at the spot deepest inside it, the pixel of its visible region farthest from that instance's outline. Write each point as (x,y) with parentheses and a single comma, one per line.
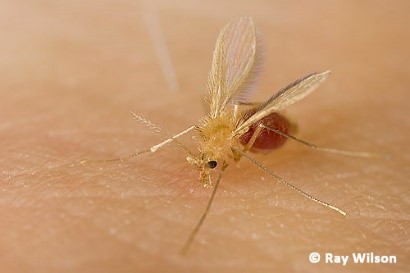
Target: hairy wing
(290,94)
(233,64)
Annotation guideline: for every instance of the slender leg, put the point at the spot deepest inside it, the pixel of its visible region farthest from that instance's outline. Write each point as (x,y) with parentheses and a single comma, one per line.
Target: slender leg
(235,111)
(280,179)
(248,146)
(324,149)
(158,129)
(117,158)
(253,139)
(194,232)
(169,140)
(153,149)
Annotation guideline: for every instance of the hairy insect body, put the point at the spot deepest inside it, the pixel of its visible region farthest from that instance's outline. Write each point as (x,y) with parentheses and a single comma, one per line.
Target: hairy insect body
(234,126)
(216,134)
(230,131)
(266,140)
(216,137)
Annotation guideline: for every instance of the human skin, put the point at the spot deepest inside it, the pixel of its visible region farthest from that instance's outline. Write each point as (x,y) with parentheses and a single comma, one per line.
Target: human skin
(71,74)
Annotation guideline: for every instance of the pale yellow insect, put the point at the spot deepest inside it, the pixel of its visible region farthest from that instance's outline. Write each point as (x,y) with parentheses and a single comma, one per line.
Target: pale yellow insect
(220,133)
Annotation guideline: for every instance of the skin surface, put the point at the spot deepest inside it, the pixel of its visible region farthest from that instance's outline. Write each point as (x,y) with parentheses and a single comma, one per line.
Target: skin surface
(72,71)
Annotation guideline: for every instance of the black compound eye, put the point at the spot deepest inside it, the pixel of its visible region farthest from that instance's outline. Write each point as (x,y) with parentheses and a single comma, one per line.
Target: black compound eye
(212,164)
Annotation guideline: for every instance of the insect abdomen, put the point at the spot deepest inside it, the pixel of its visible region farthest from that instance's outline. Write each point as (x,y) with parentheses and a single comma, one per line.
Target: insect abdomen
(267,139)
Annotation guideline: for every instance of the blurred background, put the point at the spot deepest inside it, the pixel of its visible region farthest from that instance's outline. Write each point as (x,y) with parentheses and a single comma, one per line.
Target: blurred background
(70,73)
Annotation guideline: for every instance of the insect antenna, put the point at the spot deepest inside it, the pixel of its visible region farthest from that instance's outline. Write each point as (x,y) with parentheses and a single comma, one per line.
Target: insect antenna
(280,179)
(194,232)
(153,149)
(325,149)
(117,158)
(158,129)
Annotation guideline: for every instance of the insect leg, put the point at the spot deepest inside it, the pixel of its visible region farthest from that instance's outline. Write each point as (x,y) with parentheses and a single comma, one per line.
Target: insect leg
(169,140)
(253,139)
(248,146)
(235,111)
(280,179)
(153,149)
(117,158)
(325,149)
(194,232)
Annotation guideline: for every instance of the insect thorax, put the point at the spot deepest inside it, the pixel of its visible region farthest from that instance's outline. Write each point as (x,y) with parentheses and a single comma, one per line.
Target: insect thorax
(216,135)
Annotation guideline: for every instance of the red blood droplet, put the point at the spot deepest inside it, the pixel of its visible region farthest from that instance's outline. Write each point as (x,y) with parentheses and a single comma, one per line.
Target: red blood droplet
(267,139)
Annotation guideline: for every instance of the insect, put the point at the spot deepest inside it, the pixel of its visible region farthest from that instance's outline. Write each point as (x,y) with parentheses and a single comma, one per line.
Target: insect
(233,128)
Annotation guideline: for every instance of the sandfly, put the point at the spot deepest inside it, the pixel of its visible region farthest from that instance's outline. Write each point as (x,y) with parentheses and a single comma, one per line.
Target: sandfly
(234,127)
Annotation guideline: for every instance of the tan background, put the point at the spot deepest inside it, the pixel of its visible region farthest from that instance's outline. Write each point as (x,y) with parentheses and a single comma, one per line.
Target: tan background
(70,72)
